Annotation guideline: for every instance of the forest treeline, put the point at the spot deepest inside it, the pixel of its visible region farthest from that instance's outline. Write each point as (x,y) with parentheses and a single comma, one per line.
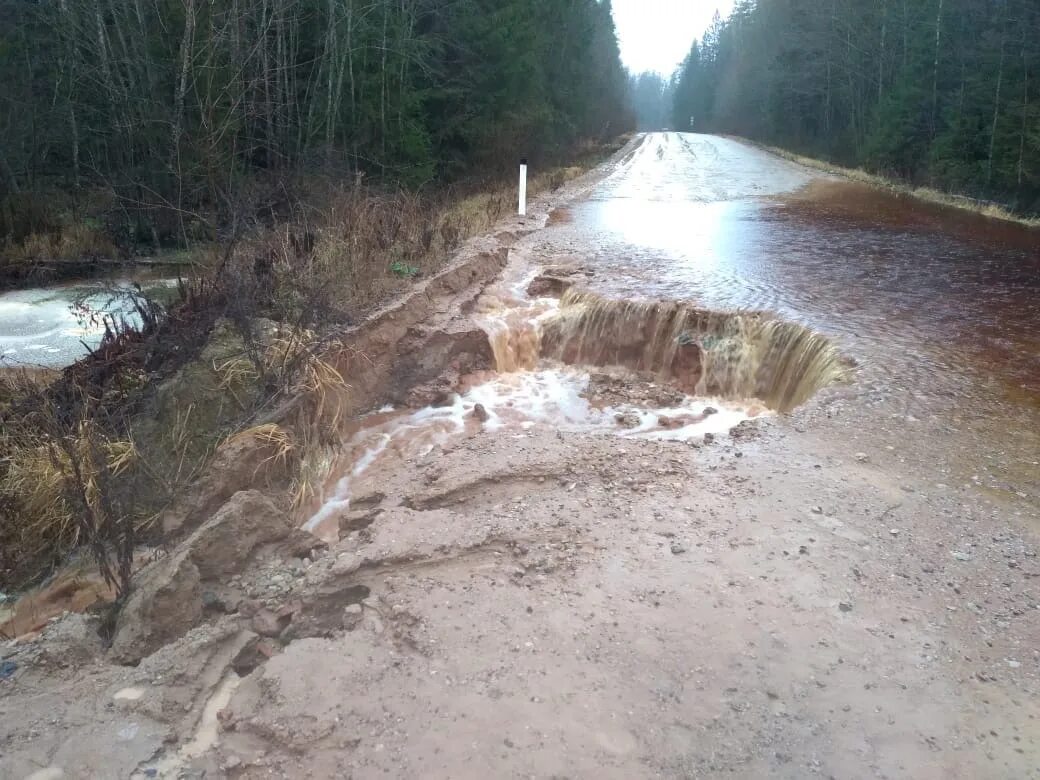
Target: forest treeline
(938,92)
(170,104)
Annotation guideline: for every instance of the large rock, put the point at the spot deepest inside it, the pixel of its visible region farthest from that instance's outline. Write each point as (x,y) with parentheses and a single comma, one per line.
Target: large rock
(228,539)
(167,598)
(165,604)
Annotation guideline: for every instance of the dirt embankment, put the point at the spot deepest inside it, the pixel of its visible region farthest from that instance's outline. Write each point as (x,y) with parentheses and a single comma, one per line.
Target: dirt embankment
(238,580)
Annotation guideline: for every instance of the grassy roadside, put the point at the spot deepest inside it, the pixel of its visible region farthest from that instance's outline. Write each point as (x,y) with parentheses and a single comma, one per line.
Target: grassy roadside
(925,194)
(93,455)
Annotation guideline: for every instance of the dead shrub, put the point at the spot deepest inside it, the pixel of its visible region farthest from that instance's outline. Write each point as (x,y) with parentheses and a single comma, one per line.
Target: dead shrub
(83,463)
(64,485)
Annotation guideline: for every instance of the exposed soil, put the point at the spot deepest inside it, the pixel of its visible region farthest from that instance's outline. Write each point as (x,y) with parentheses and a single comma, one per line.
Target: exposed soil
(810,594)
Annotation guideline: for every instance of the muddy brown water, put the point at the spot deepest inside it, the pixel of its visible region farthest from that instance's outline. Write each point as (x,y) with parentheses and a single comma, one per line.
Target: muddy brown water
(716,267)
(939,307)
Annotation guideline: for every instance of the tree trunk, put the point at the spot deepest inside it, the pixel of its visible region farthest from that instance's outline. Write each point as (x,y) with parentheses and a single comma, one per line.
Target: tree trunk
(935,71)
(382,71)
(350,72)
(996,99)
(1025,116)
(265,66)
(881,59)
(182,80)
(7,173)
(906,30)
(67,38)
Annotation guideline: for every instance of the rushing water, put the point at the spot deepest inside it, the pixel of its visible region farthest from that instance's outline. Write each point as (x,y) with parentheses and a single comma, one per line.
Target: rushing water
(939,307)
(715,267)
(55,326)
(933,297)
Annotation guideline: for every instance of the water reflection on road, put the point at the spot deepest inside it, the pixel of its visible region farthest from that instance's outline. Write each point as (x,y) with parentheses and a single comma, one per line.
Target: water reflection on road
(940,307)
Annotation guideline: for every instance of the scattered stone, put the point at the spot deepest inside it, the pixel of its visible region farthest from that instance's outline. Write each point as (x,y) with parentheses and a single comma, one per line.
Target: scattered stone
(128,694)
(7,668)
(302,544)
(961,556)
(345,564)
(845,606)
(325,611)
(357,520)
(72,640)
(369,500)
(677,549)
(269,624)
(481,413)
(817,510)
(709,410)
(894,531)
(709,438)
(627,419)
(862,457)
(548,286)
(220,598)
(255,652)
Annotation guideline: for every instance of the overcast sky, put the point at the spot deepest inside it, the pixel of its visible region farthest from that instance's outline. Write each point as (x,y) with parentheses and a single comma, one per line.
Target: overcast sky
(656,34)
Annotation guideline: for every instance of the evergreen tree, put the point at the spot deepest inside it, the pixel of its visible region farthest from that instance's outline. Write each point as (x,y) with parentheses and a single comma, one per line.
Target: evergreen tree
(175,101)
(939,92)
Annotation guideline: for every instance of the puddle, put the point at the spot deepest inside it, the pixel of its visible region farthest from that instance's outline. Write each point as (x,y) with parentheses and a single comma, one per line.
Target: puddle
(206,734)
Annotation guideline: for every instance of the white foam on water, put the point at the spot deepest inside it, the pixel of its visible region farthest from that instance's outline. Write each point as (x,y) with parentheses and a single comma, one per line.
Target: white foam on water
(549,398)
(524,395)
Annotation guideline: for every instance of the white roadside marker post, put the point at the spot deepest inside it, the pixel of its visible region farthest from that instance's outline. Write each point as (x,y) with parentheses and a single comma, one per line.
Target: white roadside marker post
(523,187)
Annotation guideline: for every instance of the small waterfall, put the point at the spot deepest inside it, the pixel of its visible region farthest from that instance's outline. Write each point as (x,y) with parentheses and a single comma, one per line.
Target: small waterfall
(515,342)
(739,355)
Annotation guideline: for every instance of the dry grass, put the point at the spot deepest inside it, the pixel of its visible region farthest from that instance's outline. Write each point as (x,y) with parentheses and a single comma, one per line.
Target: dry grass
(59,485)
(75,242)
(925,194)
(79,473)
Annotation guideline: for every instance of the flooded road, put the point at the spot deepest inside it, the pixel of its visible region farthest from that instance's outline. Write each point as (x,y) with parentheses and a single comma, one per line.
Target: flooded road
(836,579)
(749,283)
(940,308)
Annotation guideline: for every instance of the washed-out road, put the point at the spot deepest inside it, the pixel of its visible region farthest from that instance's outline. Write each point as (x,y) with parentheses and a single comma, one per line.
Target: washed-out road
(562,586)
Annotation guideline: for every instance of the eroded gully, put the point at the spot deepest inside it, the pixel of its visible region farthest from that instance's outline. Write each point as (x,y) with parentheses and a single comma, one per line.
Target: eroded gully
(846,587)
(751,491)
